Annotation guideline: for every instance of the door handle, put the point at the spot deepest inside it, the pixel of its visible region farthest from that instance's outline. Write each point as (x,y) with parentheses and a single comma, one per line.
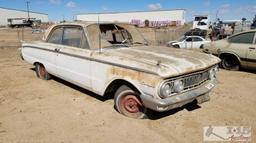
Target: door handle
(56,50)
(251,48)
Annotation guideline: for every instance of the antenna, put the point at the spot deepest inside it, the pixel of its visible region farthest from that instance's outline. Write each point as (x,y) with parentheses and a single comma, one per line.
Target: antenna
(99,33)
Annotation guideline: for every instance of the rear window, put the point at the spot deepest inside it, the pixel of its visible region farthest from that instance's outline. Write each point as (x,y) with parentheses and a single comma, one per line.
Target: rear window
(196,39)
(72,36)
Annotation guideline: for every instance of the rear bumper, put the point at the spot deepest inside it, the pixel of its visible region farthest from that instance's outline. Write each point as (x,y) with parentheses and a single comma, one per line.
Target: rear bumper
(176,101)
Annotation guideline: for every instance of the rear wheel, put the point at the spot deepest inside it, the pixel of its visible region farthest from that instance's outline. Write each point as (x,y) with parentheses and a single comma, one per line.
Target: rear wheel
(230,63)
(41,72)
(128,103)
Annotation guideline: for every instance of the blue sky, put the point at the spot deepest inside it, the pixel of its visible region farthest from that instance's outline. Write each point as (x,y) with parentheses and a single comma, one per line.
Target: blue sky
(57,9)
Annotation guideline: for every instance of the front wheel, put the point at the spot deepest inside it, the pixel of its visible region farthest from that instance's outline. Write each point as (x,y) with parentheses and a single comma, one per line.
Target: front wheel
(128,103)
(176,46)
(230,63)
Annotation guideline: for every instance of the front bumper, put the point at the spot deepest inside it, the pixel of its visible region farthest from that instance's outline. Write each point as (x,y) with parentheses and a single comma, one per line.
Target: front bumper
(21,54)
(179,100)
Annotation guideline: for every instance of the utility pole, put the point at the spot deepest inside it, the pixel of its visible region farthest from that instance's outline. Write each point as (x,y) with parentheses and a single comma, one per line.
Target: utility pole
(28,8)
(216,16)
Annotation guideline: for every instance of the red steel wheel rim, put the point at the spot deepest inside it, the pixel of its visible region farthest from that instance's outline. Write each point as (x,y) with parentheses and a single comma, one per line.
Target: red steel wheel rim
(131,104)
(42,71)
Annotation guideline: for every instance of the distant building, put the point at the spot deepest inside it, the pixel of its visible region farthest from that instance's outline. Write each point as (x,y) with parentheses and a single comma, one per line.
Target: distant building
(201,21)
(140,18)
(7,13)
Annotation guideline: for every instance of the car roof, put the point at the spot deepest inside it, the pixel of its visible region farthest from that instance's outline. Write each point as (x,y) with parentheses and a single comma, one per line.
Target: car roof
(87,23)
(194,36)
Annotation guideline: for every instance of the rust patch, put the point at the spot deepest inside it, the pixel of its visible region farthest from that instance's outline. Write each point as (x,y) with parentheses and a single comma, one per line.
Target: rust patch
(141,77)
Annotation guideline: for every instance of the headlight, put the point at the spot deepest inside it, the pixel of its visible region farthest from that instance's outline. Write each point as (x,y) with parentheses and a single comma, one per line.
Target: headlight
(213,72)
(216,68)
(166,89)
(170,88)
(178,86)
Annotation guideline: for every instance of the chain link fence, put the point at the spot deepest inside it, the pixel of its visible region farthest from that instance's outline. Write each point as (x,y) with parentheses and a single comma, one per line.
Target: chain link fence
(161,36)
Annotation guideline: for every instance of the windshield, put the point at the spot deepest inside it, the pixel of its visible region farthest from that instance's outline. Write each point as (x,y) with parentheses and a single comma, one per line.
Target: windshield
(181,39)
(114,35)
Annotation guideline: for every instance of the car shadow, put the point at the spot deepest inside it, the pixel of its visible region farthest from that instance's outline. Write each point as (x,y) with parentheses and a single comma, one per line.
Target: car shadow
(248,70)
(243,70)
(153,115)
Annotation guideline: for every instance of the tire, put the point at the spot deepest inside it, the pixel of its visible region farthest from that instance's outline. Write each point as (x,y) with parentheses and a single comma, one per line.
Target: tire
(230,63)
(176,46)
(128,103)
(41,72)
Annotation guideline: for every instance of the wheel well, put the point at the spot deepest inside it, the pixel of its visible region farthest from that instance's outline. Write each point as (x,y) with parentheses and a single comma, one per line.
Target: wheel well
(114,85)
(176,46)
(230,55)
(37,63)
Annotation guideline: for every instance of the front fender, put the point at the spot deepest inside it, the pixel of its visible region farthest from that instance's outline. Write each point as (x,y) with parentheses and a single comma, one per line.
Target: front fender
(228,52)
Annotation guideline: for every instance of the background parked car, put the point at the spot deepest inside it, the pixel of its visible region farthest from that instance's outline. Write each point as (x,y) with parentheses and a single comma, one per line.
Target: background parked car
(236,51)
(188,42)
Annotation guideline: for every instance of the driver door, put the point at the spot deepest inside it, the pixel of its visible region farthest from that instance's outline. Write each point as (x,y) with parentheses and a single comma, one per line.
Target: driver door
(189,42)
(73,57)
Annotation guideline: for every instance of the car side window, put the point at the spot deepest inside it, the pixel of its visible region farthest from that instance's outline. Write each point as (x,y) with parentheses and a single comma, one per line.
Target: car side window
(196,39)
(245,38)
(189,40)
(74,36)
(56,36)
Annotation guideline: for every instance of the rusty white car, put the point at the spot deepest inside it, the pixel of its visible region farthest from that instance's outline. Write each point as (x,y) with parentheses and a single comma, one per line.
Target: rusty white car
(115,58)
(237,51)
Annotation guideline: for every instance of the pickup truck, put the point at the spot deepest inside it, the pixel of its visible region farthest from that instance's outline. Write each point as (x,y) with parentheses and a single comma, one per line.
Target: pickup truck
(115,58)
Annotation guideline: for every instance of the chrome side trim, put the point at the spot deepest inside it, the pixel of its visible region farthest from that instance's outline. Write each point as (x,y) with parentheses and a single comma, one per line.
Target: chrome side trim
(95,60)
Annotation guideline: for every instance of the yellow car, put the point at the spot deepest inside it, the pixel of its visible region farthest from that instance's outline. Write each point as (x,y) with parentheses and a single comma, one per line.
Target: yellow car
(236,51)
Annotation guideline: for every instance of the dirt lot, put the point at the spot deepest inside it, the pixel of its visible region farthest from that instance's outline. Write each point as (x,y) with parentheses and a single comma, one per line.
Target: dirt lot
(33,110)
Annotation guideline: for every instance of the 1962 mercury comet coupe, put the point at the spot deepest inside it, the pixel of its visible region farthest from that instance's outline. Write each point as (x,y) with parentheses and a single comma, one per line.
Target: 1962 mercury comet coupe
(115,58)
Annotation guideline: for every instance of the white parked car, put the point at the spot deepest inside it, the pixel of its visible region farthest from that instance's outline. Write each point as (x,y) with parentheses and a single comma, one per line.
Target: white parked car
(114,59)
(188,42)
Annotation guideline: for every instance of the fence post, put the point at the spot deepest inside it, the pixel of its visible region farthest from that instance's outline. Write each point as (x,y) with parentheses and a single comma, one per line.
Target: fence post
(22,33)
(18,34)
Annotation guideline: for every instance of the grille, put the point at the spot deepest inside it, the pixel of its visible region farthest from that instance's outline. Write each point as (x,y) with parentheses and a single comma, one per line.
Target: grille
(195,80)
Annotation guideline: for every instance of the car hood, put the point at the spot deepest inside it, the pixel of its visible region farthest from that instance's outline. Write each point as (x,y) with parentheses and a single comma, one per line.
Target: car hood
(171,42)
(163,61)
